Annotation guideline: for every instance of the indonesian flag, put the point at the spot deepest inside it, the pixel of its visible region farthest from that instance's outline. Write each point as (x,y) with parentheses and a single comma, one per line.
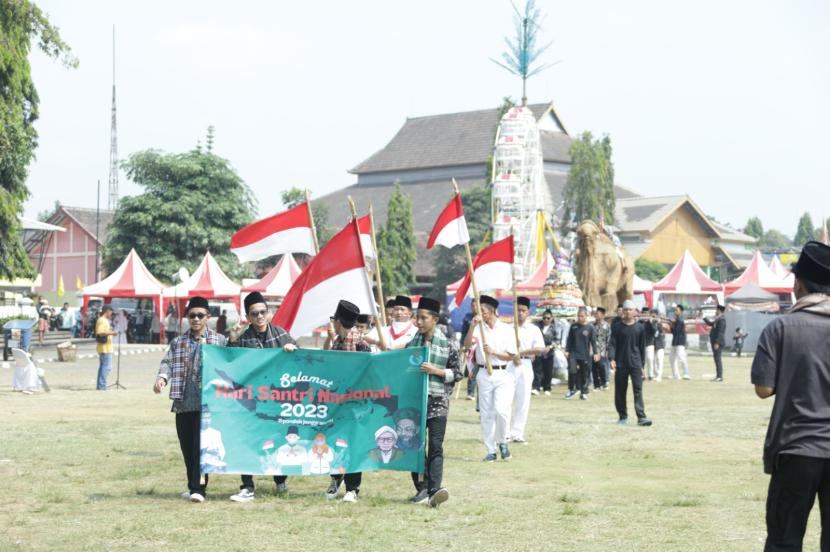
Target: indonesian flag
(365,225)
(286,232)
(451,228)
(493,270)
(337,272)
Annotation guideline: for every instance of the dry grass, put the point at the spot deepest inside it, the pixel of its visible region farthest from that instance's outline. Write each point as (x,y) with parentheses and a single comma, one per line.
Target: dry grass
(84,470)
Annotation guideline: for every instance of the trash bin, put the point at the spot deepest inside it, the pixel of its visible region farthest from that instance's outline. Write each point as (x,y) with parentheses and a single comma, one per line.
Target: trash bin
(67,352)
(17,334)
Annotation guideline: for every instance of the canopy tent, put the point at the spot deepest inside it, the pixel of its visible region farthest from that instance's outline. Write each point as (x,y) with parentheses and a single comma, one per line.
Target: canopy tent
(644,288)
(760,274)
(779,269)
(537,280)
(686,278)
(208,281)
(752,297)
(131,279)
(278,280)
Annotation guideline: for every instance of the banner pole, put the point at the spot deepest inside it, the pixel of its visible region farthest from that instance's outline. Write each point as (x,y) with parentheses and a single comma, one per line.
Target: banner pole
(476,297)
(311,218)
(368,285)
(381,302)
(515,308)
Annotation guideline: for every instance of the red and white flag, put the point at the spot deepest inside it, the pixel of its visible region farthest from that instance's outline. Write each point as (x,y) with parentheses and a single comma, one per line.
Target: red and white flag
(451,228)
(337,272)
(286,232)
(493,270)
(364,223)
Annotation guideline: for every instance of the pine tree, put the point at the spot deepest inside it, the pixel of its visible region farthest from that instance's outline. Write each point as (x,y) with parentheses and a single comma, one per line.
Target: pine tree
(396,245)
(754,228)
(806,231)
(589,190)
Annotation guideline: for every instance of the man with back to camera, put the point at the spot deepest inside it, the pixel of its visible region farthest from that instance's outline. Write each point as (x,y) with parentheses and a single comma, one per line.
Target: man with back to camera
(717,339)
(627,352)
(260,334)
(792,362)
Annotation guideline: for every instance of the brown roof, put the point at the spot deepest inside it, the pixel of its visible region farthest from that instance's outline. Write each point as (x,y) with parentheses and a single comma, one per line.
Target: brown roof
(86,218)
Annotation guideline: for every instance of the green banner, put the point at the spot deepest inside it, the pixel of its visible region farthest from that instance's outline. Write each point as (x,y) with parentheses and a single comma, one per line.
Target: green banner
(312,412)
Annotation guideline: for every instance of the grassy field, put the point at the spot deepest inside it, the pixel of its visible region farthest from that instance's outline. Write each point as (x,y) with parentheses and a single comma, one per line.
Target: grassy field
(85,470)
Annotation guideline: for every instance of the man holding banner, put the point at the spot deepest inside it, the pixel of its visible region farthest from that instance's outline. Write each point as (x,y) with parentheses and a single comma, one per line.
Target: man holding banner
(441,365)
(260,334)
(181,368)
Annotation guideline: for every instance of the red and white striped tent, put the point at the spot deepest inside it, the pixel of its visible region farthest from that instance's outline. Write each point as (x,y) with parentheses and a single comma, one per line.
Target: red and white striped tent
(278,280)
(131,279)
(644,288)
(782,271)
(208,281)
(537,280)
(688,279)
(760,274)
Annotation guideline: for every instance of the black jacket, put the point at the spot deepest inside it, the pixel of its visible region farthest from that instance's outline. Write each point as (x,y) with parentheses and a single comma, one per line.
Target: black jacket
(678,332)
(718,332)
(582,342)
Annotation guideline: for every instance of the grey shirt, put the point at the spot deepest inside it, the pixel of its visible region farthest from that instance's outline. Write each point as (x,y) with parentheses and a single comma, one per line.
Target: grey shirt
(793,357)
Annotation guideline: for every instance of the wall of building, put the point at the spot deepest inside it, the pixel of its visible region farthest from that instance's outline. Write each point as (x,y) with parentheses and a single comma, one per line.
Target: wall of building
(679,232)
(70,254)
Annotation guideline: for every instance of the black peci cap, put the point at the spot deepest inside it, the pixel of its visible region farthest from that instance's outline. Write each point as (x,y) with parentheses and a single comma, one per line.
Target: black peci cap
(491,302)
(197,303)
(429,304)
(813,264)
(252,299)
(346,313)
(523,301)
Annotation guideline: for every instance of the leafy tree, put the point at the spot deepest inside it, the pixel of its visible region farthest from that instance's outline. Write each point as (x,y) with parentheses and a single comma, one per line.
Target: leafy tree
(451,264)
(754,228)
(193,202)
(806,231)
(773,239)
(21,21)
(396,245)
(294,196)
(650,270)
(589,190)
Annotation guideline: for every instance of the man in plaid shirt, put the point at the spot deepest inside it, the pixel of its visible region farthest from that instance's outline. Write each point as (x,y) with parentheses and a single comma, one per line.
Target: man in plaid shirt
(181,367)
(260,334)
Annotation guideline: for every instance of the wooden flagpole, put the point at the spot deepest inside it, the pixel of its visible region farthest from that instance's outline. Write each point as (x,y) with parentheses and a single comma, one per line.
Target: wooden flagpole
(354,221)
(311,218)
(381,302)
(476,297)
(515,306)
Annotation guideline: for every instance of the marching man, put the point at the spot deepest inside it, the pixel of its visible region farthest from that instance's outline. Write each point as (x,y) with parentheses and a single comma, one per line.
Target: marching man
(402,329)
(532,343)
(443,369)
(495,391)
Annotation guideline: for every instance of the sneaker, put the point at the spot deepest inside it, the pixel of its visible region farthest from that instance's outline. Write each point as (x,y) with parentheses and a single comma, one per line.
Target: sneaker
(570,394)
(547,393)
(440,496)
(490,457)
(186,495)
(686,377)
(196,497)
(622,421)
(534,391)
(421,498)
(505,452)
(519,440)
(244,495)
(350,496)
(644,422)
(334,488)
(717,380)
(282,488)
(471,397)
(583,397)
(658,379)
(605,387)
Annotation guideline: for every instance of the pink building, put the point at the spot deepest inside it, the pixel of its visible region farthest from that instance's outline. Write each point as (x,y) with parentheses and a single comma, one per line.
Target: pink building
(70,254)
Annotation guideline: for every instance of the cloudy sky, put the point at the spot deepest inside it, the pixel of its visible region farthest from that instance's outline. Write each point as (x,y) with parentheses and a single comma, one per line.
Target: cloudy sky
(725,101)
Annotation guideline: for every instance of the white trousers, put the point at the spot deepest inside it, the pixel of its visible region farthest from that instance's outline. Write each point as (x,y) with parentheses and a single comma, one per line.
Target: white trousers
(678,357)
(523,377)
(495,394)
(658,363)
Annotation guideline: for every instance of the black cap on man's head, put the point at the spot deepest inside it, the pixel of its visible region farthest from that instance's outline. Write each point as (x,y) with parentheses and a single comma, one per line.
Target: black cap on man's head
(197,303)
(252,299)
(491,302)
(523,301)
(346,313)
(403,301)
(813,264)
(429,304)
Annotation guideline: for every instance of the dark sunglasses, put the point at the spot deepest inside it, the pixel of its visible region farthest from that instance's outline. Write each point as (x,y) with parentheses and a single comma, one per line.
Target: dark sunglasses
(258,313)
(196,315)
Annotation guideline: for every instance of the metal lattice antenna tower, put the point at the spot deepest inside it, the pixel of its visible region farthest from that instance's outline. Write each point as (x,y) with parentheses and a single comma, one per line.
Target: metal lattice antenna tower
(113,180)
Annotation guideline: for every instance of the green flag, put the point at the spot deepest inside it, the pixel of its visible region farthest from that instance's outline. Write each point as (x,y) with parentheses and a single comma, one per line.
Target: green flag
(312,412)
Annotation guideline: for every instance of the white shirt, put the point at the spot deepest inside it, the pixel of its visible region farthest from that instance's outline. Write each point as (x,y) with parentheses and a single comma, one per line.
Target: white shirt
(404,335)
(530,336)
(500,338)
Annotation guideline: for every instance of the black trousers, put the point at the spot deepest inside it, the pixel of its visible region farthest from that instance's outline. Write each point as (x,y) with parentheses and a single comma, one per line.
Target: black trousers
(542,373)
(793,486)
(188,428)
(248,481)
(583,368)
(434,465)
(600,379)
(352,480)
(621,390)
(471,382)
(717,354)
